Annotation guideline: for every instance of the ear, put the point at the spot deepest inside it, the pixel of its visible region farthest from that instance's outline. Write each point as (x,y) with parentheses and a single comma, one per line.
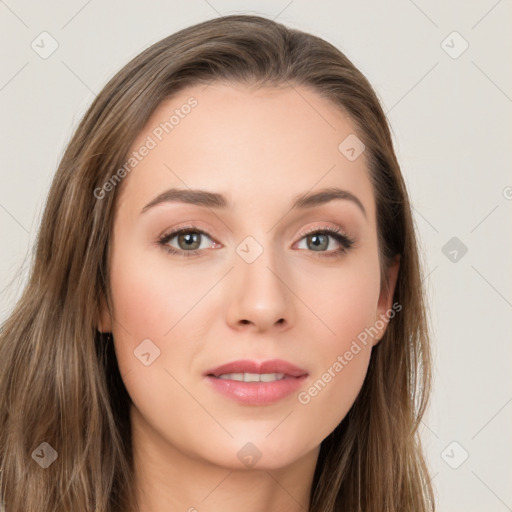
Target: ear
(385,303)
(104,318)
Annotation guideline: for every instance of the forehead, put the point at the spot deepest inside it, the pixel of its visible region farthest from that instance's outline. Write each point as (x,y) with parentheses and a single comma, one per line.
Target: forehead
(252,145)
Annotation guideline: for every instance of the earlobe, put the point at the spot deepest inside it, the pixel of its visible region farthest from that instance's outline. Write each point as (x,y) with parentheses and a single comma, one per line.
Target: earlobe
(384,307)
(104,318)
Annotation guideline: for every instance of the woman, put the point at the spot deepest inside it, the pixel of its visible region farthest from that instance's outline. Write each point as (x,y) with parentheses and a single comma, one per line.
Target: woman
(225,308)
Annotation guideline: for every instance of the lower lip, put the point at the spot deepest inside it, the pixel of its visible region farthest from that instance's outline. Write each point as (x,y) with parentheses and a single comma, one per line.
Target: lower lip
(256,393)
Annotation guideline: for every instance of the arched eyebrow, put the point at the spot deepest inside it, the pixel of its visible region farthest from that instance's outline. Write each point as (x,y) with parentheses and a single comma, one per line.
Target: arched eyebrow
(218,201)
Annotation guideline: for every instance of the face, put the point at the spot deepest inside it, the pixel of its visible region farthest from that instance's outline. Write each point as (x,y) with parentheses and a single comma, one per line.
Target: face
(245,274)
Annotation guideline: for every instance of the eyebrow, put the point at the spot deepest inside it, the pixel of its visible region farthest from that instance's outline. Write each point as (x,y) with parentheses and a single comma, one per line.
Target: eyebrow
(215,200)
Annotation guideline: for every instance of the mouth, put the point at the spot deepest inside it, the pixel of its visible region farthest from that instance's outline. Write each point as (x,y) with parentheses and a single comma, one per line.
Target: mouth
(253,383)
(251,377)
(275,369)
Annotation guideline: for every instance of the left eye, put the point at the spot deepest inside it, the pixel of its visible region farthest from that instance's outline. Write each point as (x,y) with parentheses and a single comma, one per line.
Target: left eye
(319,240)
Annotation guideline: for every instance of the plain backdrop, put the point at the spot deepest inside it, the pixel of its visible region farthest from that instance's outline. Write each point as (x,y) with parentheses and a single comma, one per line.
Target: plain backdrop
(443,73)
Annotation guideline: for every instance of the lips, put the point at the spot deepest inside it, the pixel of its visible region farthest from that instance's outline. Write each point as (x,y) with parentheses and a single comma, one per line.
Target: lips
(256,383)
(248,366)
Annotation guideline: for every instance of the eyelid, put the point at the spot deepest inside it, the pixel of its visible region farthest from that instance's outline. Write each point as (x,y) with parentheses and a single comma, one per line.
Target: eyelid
(186,227)
(324,228)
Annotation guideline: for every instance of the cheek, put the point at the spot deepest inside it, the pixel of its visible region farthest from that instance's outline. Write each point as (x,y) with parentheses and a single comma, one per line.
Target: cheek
(344,300)
(149,298)
(168,305)
(346,304)
(151,303)
(342,364)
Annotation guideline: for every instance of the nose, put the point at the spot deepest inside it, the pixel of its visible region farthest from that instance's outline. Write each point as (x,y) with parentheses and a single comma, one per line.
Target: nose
(260,298)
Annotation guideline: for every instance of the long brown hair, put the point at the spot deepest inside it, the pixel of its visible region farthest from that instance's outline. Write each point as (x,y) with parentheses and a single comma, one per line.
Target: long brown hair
(59,380)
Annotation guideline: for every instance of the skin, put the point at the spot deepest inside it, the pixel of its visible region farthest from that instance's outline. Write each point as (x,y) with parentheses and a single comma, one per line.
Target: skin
(260,148)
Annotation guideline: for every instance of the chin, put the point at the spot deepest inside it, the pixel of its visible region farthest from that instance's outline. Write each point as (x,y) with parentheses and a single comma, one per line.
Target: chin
(258,453)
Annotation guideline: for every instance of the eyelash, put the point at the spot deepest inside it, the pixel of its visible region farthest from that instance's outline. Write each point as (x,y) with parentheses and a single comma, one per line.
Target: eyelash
(345,241)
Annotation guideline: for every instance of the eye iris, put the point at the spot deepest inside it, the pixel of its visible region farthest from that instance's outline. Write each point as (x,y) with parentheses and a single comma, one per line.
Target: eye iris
(189,237)
(318,244)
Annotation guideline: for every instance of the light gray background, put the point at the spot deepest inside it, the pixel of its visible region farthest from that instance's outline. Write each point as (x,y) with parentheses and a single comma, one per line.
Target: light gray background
(451,119)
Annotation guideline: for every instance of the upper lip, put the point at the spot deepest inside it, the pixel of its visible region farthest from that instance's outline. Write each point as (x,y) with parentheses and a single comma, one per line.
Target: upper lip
(248,366)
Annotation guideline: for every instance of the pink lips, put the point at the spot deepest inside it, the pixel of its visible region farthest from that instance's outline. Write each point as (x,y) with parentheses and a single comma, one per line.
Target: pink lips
(257,393)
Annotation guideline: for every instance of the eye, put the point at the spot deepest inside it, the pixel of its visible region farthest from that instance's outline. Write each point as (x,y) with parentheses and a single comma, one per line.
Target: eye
(319,240)
(188,240)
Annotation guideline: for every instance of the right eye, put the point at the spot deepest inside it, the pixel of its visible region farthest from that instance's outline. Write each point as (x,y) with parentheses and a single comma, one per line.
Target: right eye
(188,240)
